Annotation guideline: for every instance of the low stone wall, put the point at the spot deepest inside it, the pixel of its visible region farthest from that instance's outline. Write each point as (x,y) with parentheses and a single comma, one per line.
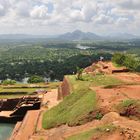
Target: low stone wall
(26,128)
(64,89)
(9,104)
(17,108)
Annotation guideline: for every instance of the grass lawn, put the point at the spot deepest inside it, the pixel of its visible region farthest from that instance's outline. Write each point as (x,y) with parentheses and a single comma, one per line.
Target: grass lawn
(89,134)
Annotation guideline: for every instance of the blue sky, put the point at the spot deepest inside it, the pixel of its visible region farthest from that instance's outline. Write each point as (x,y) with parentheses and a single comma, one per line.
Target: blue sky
(52,17)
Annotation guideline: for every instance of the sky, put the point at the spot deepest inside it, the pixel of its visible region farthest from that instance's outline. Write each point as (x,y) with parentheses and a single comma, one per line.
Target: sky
(52,17)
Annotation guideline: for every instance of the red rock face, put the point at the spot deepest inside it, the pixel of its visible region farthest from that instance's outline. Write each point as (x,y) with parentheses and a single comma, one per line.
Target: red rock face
(64,89)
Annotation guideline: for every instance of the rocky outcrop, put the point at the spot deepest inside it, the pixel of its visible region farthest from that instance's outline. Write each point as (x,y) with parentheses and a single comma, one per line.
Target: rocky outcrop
(64,89)
(104,67)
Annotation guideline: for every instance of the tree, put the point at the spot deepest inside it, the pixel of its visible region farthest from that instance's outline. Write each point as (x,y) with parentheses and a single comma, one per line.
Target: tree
(35,79)
(119,58)
(8,82)
(130,61)
(79,73)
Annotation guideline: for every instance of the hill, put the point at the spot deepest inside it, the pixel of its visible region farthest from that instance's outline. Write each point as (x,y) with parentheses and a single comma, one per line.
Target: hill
(103,104)
(79,35)
(95,105)
(76,35)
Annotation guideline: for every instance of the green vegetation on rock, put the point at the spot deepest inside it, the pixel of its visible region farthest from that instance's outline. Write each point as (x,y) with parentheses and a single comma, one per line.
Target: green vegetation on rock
(130,61)
(129,108)
(74,108)
(101,80)
(87,135)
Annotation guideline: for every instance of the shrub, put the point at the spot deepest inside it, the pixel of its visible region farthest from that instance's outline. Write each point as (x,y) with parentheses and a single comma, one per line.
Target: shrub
(99,116)
(9,82)
(36,79)
(129,108)
(130,61)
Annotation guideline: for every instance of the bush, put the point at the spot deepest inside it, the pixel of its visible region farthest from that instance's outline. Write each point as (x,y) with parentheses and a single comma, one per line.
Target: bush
(99,116)
(9,82)
(127,60)
(119,58)
(36,79)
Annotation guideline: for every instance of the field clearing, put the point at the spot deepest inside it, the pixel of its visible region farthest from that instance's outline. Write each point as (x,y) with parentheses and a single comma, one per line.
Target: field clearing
(29,90)
(19,90)
(13,96)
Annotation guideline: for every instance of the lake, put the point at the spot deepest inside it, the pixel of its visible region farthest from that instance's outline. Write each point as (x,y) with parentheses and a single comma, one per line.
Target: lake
(6,130)
(84,47)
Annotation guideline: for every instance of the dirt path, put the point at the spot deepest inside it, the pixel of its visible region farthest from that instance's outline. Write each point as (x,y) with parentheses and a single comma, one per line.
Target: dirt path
(107,97)
(63,132)
(128,77)
(51,99)
(27,127)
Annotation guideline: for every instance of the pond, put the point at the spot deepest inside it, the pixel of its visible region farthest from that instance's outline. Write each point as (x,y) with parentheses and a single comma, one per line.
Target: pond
(84,47)
(6,130)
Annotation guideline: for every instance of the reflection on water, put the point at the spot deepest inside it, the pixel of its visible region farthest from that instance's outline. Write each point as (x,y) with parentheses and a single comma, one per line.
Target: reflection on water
(5,130)
(84,47)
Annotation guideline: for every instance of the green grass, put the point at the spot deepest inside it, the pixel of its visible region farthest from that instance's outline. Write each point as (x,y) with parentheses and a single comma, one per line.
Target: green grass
(89,134)
(19,90)
(76,107)
(102,80)
(11,96)
(127,103)
(53,85)
(73,108)
(28,90)
(129,108)
(116,65)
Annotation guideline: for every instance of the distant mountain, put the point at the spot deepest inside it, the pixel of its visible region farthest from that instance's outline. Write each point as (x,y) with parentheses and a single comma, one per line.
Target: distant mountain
(70,36)
(79,35)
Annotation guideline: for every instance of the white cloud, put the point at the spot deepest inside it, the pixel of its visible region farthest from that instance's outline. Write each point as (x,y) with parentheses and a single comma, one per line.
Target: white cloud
(130,4)
(89,10)
(76,15)
(39,12)
(103,19)
(122,21)
(65,15)
(21,8)
(2,11)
